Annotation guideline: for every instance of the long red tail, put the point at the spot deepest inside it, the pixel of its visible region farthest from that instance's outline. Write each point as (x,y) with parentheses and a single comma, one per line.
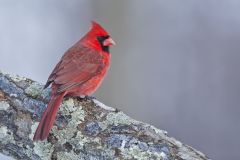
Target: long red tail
(48,117)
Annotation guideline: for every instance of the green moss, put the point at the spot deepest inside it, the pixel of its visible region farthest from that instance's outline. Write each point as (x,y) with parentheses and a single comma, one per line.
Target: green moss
(43,149)
(4,105)
(29,151)
(33,129)
(16,78)
(116,119)
(34,90)
(3,132)
(67,156)
(82,140)
(68,107)
(135,152)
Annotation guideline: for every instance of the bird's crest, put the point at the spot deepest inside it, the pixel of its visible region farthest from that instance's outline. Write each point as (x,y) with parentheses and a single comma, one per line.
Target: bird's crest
(98,29)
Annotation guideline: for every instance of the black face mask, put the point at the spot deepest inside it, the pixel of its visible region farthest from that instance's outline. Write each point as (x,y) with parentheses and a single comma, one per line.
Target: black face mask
(101,39)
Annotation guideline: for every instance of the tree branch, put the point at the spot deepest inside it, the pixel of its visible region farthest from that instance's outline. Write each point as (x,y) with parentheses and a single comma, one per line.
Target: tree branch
(84,129)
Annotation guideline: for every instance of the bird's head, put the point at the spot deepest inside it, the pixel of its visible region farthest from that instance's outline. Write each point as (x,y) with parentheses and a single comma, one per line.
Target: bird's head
(98,38)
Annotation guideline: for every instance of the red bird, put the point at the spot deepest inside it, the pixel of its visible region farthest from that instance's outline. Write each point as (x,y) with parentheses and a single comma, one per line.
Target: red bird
(79,73)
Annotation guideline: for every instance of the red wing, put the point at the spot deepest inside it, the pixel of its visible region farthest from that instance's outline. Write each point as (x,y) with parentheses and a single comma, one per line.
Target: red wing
(52,75)
(76,66)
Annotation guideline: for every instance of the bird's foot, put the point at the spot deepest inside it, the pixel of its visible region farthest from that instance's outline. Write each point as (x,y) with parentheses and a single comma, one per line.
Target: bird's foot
(90,97)
(85,98)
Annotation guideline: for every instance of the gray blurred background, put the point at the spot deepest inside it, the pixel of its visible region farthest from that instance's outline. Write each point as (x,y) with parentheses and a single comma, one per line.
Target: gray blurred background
(176,63)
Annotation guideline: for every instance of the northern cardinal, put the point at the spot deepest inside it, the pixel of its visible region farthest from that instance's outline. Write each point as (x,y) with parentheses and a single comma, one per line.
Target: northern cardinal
(79,73)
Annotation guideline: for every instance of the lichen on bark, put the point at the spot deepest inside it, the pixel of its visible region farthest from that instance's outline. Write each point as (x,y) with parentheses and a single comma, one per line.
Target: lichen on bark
(84,129)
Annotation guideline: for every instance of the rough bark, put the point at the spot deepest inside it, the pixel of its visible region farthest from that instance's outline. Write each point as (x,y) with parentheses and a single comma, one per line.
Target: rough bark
(84,129)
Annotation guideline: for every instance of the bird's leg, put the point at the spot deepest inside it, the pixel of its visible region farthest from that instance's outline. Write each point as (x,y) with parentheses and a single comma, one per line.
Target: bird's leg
(67,96)
(85,98)
(90,97)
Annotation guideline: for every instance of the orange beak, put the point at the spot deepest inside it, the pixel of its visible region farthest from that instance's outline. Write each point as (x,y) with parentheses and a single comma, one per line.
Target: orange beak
(109,42)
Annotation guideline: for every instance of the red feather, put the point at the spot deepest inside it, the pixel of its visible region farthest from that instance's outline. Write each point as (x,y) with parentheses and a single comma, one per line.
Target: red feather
(48,117)
(79,73)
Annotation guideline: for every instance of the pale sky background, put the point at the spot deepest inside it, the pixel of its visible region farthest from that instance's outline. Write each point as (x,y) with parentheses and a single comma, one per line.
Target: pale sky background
(176,63)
